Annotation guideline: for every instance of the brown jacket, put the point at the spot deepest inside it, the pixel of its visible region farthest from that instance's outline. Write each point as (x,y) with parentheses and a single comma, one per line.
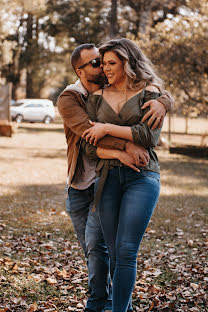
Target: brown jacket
(71,107)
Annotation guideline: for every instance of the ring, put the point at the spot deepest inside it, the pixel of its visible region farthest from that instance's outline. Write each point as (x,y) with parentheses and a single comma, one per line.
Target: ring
(158,118)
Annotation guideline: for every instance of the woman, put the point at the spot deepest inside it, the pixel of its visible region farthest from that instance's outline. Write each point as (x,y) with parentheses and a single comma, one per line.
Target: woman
(125,197)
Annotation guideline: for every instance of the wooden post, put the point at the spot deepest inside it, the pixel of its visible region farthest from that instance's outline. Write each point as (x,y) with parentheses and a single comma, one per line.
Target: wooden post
(186,123)
(169,126)
(5,98)
(9,101)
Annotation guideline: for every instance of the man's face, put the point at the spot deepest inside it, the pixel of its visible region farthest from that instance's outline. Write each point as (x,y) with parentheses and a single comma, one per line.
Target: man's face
(89,73)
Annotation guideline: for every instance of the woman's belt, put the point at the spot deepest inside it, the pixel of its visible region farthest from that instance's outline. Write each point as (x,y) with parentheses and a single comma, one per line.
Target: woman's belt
(104,166)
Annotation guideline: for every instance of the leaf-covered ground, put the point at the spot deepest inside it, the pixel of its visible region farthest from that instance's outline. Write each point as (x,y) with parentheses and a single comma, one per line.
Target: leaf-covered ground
(42,267)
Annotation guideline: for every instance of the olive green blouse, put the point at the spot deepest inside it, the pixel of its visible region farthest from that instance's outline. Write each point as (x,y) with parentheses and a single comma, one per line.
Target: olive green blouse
(130,115)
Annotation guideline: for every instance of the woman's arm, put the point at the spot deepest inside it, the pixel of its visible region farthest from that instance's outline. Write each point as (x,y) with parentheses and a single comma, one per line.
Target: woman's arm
(106,141)
(142,134)
(99,130)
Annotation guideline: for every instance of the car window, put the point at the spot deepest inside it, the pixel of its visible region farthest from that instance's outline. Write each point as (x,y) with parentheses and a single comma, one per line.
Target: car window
(34,105)
(30,105)
(17,104)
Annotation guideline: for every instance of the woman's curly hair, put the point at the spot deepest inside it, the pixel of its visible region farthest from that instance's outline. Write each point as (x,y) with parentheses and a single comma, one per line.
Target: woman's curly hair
(139,69)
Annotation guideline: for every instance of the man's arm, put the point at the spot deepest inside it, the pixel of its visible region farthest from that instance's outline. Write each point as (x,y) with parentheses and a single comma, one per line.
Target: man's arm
(158,110)
(73,115)
(139,156)
(123,156)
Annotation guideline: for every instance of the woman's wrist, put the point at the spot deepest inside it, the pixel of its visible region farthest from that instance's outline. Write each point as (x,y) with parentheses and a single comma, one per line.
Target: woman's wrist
(123,132)
(108,153)
(107,128)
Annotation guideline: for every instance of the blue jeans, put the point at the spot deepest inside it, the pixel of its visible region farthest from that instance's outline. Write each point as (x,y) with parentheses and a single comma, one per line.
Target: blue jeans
(127,203)
(88,230)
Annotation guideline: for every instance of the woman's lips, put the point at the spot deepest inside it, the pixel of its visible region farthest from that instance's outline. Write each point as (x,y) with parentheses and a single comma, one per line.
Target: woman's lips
(109,75)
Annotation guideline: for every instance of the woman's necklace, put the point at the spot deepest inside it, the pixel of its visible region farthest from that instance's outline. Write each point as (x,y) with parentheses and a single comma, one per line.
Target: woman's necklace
(124,91)
(125,96)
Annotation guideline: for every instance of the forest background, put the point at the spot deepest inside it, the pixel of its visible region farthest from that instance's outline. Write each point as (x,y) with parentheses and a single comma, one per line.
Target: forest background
(38,36)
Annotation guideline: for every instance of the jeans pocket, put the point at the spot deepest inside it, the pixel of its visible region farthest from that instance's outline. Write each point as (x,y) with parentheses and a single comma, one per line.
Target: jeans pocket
(77,200)
(151,174)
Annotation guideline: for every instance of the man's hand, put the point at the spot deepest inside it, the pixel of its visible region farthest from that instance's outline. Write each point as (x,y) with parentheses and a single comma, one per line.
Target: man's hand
(157,112)
(138,153)
(127,160)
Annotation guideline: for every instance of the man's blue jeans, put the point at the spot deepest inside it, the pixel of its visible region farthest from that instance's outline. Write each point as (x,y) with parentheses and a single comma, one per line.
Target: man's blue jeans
(89,233)
(127,203)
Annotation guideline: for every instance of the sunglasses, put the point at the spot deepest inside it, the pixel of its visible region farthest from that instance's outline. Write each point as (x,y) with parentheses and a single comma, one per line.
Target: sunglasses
(95,63)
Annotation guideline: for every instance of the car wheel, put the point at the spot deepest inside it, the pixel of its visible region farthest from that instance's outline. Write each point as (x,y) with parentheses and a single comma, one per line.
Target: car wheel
(47,120)
(19,118)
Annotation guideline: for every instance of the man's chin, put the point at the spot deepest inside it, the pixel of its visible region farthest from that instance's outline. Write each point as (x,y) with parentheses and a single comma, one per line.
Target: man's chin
(94,81)
(100,80)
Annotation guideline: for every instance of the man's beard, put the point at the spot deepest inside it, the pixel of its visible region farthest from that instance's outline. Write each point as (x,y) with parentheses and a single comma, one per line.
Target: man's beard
(100,79)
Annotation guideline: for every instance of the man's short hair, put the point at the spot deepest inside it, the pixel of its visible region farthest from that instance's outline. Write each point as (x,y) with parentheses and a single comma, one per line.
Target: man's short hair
(75,57)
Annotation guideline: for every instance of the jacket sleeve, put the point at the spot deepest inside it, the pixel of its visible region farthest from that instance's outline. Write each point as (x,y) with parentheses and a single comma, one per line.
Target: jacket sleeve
(73,115)
(90,150)
(165,97)
(167,100)
(76,118)
(141,133)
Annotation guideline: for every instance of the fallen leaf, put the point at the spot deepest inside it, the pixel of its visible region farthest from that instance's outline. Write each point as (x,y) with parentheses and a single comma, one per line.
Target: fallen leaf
(152,306)
(32,308)
(194,286)
(51,280)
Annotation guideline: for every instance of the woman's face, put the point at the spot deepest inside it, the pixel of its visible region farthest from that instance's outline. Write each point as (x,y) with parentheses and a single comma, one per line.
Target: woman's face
(113,68)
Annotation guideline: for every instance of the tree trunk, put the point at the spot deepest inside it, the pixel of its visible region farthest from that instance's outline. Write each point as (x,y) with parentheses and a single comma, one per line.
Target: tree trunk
(113,19)
(142,10)
(145,15)
(144,20)
(14,91)
(16,72)
(29,41)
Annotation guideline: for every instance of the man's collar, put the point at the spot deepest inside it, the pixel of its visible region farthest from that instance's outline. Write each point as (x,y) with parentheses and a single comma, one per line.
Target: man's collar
(77,87)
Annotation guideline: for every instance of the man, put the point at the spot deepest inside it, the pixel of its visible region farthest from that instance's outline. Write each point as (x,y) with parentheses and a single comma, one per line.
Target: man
(81,172)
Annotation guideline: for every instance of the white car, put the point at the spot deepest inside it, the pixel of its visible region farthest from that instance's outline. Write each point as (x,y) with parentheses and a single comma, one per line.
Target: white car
(33,110)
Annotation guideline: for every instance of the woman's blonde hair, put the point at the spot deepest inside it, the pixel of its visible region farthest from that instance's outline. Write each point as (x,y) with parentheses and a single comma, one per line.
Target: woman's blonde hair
(139,69)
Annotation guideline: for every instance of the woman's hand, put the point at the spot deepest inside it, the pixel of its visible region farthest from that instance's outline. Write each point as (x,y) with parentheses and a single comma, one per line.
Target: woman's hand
(93,134)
